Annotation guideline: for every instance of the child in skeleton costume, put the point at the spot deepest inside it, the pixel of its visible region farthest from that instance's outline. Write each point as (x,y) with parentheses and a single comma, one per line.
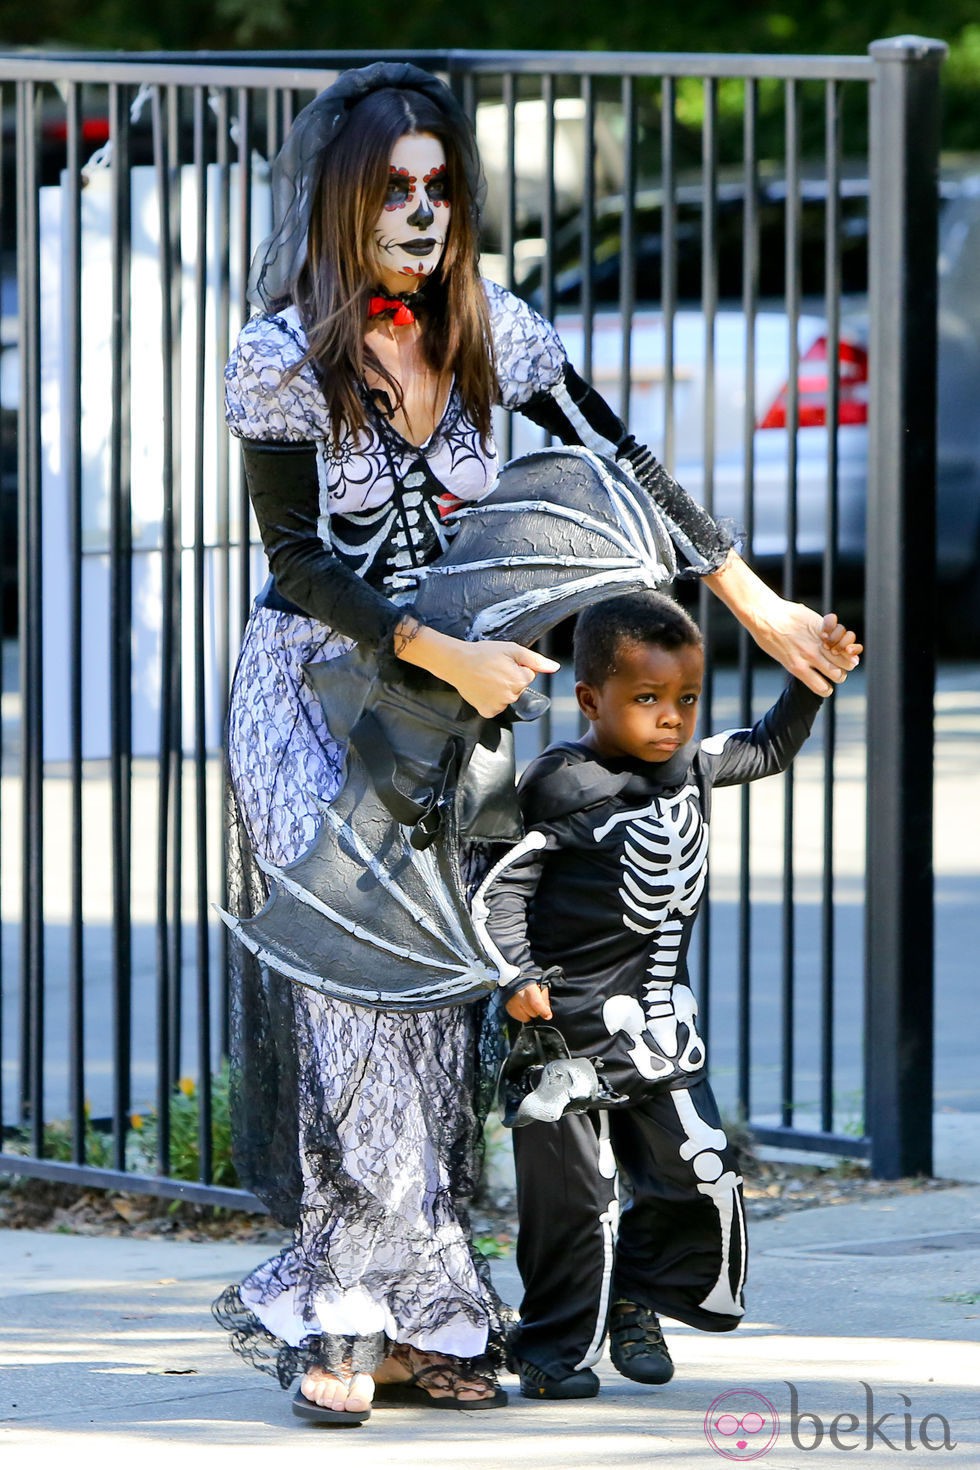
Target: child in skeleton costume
(599,901)
(361,393)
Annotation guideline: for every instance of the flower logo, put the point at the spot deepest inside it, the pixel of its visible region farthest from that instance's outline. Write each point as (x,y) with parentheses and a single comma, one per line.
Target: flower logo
(742,1425)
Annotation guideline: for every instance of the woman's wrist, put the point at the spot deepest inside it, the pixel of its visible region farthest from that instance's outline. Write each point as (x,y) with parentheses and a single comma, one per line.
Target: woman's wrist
(425,648)
(744,594)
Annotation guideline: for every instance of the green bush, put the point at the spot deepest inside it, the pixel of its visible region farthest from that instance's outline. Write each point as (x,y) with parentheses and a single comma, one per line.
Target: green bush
(58,1143)
(185,1153)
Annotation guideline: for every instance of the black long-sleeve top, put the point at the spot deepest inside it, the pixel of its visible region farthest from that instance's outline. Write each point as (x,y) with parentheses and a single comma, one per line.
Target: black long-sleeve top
(340,521)
(606,885)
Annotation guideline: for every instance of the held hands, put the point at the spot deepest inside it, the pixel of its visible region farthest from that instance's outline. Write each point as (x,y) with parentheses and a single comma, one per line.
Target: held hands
(488,675)
(530,1003)
(812,648)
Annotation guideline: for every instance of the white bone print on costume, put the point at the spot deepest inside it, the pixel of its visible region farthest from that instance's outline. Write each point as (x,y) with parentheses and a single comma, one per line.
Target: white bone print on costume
(665,862)
(720,1185)
(624,1013)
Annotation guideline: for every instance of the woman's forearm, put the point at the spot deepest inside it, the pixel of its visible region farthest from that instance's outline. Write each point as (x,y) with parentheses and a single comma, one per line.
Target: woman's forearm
(744,593)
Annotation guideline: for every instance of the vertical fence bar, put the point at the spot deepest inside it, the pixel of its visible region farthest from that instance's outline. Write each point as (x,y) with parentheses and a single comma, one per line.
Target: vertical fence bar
(508,227)
(709,307)
(548,212)
(176,734)
(905,112)
(627,254)
(588,222)
(29,614)
(120,621)
(165,978)
(832,289)
(71,430)
(203,945)
(465,86)
(222,320)
(793,288)
(272,133)
(23,439)
(245,232)
(668,271)
(548,202)
(4,216)
(750,299)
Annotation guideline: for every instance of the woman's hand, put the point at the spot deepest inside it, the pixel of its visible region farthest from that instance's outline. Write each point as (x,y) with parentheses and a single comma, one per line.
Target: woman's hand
(819,651)
(530,1003)
(488,675)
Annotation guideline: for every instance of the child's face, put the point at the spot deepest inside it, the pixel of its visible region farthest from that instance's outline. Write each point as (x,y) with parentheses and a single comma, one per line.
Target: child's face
(648,708)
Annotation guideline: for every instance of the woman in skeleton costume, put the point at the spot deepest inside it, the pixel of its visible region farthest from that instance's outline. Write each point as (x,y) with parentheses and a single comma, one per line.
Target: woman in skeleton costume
(362,392)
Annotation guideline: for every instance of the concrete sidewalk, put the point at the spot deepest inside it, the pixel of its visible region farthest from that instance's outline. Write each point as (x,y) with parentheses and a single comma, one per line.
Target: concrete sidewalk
(108,1350)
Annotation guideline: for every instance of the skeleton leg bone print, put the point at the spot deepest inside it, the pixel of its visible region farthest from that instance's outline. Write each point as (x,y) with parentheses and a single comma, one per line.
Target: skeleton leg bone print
(720,1185)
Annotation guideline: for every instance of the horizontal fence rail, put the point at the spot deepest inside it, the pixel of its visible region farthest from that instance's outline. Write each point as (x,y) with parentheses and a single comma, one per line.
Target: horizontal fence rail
(697,226)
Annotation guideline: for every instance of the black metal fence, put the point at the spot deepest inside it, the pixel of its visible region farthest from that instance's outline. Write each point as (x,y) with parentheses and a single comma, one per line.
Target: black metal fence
(703,229)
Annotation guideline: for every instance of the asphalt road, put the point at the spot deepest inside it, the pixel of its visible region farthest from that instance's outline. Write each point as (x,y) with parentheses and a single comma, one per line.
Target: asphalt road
(957,823)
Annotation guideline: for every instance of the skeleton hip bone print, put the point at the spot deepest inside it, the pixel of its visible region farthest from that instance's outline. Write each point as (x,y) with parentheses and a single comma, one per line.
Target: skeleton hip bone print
(665,864)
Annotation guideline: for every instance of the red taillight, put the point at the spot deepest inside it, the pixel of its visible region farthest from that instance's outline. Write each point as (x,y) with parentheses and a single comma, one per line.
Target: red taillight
(94,130)
(813,383)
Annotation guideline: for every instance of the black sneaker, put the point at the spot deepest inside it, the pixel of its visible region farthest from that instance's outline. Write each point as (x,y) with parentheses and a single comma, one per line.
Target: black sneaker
(636,1344)
(537,1384)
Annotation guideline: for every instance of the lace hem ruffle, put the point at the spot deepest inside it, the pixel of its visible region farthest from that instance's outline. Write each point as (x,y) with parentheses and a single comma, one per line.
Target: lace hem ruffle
(256,1345)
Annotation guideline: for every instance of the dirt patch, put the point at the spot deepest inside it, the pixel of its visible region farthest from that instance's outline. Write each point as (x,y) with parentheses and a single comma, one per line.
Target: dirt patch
(771,1189)
(68,1209)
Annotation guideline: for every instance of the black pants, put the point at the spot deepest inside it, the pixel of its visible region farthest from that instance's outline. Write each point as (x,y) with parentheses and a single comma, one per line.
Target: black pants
(680,1246)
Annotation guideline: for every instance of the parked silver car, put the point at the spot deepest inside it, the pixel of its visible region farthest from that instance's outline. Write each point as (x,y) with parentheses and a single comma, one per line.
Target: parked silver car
(958,509)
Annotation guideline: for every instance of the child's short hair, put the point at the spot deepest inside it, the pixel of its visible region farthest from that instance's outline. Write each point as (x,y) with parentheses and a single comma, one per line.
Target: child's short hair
(633,617)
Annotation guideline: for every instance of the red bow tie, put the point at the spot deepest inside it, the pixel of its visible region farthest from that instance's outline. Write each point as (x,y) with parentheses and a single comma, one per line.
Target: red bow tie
(403,316)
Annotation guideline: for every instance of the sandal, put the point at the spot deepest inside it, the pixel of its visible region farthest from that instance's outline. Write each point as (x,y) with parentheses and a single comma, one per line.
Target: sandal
(437,1385)
(305,1408)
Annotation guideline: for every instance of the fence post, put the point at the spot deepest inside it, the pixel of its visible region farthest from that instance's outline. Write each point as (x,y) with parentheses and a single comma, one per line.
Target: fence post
(900,598)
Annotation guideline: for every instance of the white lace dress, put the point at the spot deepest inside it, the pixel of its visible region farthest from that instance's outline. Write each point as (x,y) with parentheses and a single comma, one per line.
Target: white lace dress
(382,1101)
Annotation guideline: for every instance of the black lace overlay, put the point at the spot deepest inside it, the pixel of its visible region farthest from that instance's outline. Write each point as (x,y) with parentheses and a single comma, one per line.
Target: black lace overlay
(358,1128)
(259,1347)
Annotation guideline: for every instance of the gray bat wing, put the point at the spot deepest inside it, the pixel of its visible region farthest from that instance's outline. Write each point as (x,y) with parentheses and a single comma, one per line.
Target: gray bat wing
(375,911)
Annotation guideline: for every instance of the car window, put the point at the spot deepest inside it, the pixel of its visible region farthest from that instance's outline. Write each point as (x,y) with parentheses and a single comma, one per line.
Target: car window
(689,238)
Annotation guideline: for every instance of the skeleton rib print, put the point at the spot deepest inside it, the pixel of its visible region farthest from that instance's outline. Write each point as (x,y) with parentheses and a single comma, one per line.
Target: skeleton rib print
(665,862)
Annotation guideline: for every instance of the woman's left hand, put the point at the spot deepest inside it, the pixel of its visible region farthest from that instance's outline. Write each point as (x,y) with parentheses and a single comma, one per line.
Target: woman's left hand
(819,651)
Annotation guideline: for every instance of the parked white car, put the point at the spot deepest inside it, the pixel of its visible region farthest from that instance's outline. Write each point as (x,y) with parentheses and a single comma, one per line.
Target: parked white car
(722,484)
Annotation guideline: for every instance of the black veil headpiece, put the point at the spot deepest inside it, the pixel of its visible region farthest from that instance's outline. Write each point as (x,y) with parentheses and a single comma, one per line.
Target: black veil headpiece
(279,259)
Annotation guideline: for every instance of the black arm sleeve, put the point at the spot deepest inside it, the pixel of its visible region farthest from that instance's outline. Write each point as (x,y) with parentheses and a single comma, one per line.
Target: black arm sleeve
(575,413)
(737,756)
(506,898)
(282,483)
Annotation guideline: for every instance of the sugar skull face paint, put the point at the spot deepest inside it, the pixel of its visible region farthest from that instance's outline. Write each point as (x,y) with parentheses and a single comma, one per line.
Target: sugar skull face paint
(410,233)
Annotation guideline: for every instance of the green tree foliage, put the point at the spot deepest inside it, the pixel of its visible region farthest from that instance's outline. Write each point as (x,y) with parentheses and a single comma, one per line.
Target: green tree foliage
(804,26)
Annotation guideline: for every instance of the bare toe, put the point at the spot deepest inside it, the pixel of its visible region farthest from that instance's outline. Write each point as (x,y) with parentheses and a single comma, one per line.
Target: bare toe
(352,1393)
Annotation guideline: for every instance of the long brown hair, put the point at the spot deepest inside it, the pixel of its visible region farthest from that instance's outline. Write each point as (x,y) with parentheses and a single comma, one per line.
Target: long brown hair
(340,274)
